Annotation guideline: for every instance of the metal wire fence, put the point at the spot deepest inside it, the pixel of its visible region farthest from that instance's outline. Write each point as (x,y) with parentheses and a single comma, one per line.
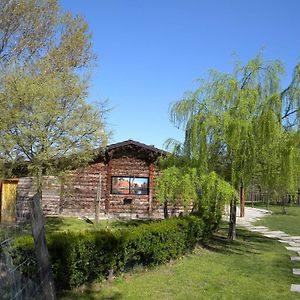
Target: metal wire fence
(19,278)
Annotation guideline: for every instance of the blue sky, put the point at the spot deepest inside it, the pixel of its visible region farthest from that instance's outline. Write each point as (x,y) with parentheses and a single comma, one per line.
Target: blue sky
(151,52)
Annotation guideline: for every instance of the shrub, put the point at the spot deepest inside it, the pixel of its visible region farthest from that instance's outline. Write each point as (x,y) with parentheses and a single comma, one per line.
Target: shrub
(23,248)
(81,257)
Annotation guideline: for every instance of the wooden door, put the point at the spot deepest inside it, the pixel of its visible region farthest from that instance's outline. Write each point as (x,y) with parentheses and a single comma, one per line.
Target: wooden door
(8,201)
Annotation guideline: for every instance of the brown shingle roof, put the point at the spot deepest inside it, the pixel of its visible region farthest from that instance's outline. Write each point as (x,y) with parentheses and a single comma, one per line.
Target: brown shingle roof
(150,148)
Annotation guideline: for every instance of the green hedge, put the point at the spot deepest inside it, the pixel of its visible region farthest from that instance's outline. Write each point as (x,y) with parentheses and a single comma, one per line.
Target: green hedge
(81,257)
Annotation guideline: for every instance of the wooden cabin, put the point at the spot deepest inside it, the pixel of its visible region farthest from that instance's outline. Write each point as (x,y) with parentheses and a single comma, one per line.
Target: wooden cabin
(119,184)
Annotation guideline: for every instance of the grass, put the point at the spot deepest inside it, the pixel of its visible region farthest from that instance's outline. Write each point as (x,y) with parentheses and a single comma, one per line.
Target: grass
(252,267)
(55,224)
(59,224)
(278,220)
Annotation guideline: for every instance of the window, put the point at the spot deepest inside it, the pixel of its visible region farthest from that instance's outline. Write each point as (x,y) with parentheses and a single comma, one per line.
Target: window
(122,185)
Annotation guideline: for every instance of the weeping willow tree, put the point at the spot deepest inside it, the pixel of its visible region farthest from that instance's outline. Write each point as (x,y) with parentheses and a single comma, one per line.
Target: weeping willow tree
(207,193)
(176,186)
(242,125)
(215,193)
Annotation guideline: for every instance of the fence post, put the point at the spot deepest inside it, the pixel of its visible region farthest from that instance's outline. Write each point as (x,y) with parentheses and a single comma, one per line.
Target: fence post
(42,255)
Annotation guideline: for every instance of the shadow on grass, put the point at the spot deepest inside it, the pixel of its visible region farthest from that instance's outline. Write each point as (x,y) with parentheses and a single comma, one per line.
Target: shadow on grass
(129,223)
(10,231)
(256,253)
(90,295)
(89,292)
(277,209)
(289,212)
(54,224)
(246,243)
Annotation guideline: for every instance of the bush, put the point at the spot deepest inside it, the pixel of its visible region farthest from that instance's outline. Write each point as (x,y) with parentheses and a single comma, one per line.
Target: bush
(81,257)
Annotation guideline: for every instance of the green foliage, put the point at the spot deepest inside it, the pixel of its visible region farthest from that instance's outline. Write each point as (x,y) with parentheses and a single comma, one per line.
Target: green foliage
(177,186)
(21,41)
(243,126)
(43,85)
(157,243)
(81,257)
(208,193)
(168,185)
(222,270)
(22,248)
(216,192)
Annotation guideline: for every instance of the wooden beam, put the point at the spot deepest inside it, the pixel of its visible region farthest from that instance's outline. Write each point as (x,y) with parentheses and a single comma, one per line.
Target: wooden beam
(151,187)
(108,187)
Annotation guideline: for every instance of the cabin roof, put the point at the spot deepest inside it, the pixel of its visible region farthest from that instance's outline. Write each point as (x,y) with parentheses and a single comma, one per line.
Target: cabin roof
(128,143)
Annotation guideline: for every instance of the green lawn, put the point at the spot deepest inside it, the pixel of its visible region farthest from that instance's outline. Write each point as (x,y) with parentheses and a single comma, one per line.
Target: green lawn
(54,224)
(58,224)
(253,267)
(289,222)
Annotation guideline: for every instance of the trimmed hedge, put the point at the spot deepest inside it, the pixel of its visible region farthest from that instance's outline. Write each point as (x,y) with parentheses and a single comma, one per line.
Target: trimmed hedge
(81,257)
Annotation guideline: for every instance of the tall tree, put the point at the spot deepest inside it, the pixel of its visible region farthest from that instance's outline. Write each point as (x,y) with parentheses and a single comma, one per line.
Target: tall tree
(236,124)
(45,58)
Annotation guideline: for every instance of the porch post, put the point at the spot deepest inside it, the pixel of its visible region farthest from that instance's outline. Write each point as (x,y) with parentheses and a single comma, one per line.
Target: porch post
(151,187)
(108,187)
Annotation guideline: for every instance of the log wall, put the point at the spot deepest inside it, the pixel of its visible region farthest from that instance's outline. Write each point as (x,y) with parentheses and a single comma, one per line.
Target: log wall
(79,191)
(27,189)
(75,194)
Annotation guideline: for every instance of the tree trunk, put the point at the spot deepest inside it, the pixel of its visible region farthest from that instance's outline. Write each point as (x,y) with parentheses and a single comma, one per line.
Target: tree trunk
(242,201)
(283,202)
(232,221)
(298,197)
(166,213)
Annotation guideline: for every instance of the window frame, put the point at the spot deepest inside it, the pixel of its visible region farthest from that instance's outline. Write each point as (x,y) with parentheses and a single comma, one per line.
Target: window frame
(130,181)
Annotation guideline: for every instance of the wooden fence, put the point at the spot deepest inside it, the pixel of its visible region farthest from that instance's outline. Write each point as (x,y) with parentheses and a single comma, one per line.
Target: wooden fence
(271,198)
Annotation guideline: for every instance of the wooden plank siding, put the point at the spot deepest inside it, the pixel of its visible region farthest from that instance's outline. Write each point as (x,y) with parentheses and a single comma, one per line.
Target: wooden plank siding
(75,194)
(80,191)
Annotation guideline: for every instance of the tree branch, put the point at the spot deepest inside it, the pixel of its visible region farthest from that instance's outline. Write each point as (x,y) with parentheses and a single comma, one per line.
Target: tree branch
(290,113)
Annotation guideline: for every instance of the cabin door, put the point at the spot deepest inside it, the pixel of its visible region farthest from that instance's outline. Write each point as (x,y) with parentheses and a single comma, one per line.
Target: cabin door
(8,201)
